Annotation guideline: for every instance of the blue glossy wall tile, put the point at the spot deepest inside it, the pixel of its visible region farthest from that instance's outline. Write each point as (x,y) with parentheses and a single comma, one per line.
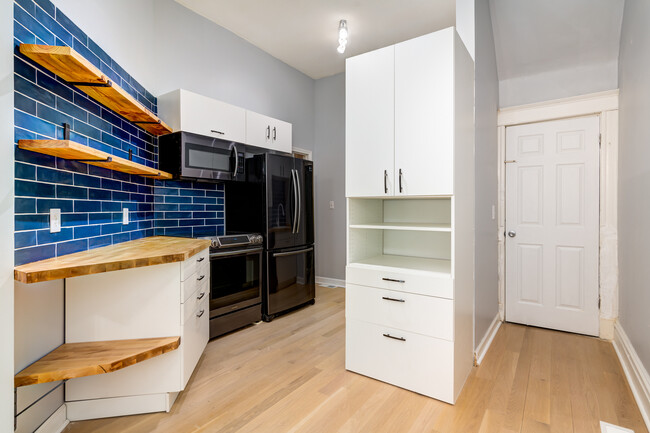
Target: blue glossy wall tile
(91,198)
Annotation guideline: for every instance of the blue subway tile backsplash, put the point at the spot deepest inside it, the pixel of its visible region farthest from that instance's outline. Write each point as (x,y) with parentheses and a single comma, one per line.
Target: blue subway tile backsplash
(91,198)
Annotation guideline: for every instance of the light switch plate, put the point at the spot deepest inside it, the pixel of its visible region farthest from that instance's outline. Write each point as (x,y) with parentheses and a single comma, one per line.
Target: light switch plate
(55,220)
(125,215)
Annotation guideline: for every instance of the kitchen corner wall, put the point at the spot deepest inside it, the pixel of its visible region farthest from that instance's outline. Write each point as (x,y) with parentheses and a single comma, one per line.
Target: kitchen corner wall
(329,154)
(91,198)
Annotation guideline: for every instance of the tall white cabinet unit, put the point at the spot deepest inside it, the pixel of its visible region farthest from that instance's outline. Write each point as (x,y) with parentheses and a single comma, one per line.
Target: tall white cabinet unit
(410,239)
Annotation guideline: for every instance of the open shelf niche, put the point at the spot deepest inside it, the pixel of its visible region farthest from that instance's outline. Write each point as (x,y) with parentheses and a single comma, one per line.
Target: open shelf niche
(410,234)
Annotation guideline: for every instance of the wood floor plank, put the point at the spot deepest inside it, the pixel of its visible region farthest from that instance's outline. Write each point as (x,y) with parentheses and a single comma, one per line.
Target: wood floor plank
(289,376)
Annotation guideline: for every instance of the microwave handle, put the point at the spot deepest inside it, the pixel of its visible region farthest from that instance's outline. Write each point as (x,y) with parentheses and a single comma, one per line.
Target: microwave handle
(234,173)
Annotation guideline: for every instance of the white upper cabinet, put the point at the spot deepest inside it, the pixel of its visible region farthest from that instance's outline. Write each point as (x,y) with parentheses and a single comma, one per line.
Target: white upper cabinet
(424,114)
(370,126)
(408,107)
(191,112)
(267,132)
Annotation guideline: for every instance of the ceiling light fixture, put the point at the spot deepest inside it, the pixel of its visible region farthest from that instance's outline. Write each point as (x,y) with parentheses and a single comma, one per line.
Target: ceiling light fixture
(343,36)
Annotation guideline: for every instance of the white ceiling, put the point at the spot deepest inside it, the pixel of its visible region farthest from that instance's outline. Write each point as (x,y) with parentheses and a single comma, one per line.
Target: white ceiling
(303,33)
(537,36)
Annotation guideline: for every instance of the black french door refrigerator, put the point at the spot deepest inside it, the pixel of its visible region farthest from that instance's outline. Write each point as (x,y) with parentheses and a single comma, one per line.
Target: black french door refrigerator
(289,231)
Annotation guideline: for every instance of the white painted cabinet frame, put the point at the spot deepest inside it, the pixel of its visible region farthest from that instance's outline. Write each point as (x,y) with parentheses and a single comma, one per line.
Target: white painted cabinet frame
(605,105)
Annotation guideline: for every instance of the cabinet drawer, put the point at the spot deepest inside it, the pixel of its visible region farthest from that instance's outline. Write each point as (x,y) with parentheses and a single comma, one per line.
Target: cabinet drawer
(417,363)
(198,280)
(191,304)
(194,337)
(190,266)
(402,281)
(420,314)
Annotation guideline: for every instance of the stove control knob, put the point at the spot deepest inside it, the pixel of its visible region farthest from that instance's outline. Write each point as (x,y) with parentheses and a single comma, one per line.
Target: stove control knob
(257,239)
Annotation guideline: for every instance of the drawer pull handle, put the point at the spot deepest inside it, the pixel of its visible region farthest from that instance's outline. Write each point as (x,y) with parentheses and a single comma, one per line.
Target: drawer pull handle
(392,299)
(394,338)
(200,313)
(393,280)
(200,278)
(217,132)
(201,295)
(201,259)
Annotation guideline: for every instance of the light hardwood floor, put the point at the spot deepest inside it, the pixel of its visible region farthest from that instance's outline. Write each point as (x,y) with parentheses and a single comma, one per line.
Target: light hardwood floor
(289,376)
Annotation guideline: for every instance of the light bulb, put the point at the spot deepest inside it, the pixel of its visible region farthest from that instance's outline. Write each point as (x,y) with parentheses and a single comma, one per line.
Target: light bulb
(343,36)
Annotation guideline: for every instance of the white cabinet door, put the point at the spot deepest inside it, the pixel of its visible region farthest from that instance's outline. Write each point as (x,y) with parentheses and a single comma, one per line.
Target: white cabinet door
(424,115)
(207,116)
(187,111)
(281,136)
(370,126)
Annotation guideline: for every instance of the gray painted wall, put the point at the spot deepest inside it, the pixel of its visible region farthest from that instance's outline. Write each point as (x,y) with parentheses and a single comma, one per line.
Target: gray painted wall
(6,216)
(329,157)
(486,89)
(634,177)
(166,46)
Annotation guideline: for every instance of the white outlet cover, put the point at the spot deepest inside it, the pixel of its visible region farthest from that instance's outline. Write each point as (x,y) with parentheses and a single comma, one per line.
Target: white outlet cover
(55,220)
(125,215)
(331,204)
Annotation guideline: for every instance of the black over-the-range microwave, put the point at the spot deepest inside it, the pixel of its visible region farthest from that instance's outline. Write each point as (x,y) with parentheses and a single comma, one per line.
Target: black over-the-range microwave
(192,156)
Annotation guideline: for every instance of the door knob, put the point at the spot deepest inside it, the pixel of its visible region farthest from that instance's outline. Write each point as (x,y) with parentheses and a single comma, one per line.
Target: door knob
(512,233)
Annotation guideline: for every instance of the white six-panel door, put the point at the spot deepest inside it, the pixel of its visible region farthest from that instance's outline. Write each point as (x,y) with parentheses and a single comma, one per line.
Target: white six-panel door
(552,218)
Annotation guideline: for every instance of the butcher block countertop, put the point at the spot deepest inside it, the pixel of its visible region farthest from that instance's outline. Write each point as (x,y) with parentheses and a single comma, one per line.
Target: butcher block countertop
(155,250)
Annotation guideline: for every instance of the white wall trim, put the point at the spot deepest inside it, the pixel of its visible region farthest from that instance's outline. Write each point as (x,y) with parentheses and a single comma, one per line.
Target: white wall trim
(593,103)
(637,376)
(56,422)
(327,281)
(486,342)
(605,105)
(300,151)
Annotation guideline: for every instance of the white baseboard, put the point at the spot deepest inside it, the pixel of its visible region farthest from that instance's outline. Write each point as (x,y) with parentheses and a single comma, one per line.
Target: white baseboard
(325,281)
(485,343)
(56,422)
(637,375)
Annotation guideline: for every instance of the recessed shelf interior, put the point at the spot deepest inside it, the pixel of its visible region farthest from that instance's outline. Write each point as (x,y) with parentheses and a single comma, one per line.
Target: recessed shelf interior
(406,233)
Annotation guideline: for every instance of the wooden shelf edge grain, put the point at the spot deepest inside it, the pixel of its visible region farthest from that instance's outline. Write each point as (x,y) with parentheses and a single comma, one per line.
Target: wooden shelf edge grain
(72,360)
(154,250)
(76,70)
(68,149)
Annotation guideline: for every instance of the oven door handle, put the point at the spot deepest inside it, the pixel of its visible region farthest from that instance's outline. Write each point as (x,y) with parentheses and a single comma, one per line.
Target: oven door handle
(293,253)
(236,253)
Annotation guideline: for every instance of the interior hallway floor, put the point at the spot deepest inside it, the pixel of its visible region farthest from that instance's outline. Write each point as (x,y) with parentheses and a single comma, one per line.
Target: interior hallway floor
(289,376)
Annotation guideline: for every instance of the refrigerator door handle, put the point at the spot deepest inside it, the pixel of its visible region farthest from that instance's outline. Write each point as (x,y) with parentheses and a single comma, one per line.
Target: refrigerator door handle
(293,253)
(299,203)
(295,200)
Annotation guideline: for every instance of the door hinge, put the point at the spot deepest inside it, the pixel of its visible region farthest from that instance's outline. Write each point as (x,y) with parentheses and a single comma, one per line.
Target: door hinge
(600,140)
(599,302)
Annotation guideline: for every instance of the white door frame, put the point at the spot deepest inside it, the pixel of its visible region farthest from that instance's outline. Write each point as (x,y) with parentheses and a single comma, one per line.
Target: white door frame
(605,105)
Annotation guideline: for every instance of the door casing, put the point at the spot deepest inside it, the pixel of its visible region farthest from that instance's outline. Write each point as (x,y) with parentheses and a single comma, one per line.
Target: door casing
(604,104)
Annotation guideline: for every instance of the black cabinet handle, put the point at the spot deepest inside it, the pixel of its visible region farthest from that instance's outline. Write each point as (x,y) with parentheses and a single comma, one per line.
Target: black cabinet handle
(200,278)
(393,280)
(392,299)
(200,313)
(201,295)
(394,338)
(201,259)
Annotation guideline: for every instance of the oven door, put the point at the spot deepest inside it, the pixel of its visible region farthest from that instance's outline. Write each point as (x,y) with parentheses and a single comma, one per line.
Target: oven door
(235,280)
(211,158)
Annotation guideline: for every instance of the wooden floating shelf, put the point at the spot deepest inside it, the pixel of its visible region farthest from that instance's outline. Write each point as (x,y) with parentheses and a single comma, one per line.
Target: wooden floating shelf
(76,70)
(68,149)
(72,360)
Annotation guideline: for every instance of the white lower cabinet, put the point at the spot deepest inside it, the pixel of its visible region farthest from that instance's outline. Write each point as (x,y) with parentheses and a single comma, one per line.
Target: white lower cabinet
(416,362)
(154,301)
